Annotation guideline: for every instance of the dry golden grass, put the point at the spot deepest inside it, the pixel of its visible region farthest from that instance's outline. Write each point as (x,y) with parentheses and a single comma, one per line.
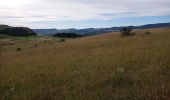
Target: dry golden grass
(103,67)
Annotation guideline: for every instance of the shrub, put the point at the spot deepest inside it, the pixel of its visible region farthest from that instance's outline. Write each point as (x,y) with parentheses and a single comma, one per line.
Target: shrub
(133,33)
(147,33)
(18,49)
(62,40)
(36,45)
(126,31)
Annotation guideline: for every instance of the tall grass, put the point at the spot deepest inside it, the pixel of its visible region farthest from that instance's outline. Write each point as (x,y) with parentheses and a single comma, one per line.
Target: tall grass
(104,67)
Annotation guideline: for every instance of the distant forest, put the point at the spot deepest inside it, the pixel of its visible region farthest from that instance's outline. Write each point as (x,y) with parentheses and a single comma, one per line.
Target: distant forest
(67,35)
(16,31)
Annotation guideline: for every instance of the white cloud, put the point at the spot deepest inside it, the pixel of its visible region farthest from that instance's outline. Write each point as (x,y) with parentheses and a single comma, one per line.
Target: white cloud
(23,12)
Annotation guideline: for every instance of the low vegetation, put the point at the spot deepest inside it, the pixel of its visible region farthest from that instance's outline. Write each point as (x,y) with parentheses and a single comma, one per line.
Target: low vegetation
(147,33)
(61,40)
(103,67)
(18,49)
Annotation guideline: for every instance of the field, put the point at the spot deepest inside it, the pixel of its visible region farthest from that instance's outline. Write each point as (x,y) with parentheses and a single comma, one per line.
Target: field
(102,67)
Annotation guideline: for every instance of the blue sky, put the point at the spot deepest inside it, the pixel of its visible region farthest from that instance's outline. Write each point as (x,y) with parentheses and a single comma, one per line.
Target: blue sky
(127,21)
(83,13)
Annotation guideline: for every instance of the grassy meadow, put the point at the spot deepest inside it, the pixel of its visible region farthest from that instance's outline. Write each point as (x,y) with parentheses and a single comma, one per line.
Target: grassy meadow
(101,67)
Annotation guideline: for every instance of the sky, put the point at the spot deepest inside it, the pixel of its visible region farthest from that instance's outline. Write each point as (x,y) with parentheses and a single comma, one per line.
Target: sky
(83,13)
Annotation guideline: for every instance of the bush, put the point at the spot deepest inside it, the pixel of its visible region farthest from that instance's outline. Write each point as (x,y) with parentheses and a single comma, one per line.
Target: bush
(36,45)
(62,40)
(18,49)
(126,31)
(147,33)
(133,33)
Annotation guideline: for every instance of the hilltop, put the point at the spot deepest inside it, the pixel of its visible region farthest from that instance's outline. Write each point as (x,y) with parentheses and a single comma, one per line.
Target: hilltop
(16,31)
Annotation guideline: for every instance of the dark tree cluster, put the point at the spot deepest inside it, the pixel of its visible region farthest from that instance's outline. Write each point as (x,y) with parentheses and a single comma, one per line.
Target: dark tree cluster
(67,35)
(3,26)
(126,31)
(17,31)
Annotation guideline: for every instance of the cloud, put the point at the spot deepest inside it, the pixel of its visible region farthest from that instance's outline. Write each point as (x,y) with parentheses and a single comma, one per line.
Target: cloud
(24,12)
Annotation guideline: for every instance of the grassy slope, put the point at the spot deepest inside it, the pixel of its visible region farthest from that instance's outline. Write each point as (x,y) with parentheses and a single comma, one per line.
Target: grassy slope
(104,67)
(11,43)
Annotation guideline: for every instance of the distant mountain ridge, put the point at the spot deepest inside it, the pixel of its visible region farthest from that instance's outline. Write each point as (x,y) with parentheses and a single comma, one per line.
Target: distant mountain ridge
(84,32)
(94,31)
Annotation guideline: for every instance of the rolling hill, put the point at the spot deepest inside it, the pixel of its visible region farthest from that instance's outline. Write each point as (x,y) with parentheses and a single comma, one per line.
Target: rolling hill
(16,31)
(102,67)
